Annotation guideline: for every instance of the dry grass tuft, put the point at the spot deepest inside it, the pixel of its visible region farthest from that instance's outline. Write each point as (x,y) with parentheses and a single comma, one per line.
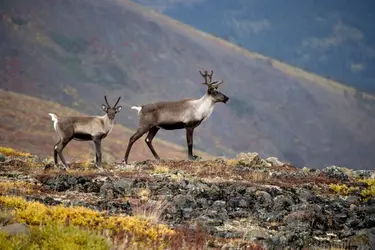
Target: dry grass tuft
(151,211)
(256,176)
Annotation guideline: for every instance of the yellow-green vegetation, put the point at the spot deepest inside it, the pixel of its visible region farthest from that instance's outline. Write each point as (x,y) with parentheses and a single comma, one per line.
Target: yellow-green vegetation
(143,231)
(144,194)
(232,162)
(342,189)
(366,192)
(160,169)
(5,217)
(20,187)
(12,152)
(54,236)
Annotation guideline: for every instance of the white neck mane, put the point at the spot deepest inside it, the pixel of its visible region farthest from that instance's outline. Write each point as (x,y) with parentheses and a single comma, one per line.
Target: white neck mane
(203,107)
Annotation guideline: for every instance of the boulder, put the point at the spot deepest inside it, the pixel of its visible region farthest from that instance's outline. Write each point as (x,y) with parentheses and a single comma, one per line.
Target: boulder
(2,158)
(123,186)
(275,162)
(363,239)
(335,173)
(256,234)
(248,159)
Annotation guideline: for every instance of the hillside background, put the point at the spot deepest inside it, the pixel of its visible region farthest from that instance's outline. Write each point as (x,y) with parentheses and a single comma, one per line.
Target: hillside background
(333,38)
(73,52)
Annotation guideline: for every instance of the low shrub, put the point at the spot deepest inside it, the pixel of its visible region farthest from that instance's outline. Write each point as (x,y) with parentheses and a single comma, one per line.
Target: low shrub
(12,152)
(143,231)
(54,236)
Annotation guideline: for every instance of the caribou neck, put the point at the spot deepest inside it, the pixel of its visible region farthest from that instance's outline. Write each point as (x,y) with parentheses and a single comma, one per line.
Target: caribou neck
(204,106)
(108,123)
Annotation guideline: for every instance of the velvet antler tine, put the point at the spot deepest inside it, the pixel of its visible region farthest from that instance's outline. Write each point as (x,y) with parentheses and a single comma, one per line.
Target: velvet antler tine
(204,75)
(105,97)
(216,84)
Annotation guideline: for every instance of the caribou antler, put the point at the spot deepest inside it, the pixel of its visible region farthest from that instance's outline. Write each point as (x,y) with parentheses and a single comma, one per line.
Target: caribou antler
(216,84)
(117,101)
(208,79)
(105,97)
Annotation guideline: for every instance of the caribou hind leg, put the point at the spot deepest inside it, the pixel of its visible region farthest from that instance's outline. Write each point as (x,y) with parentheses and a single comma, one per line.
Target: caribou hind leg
(59,148)
(138,134)
(149,138)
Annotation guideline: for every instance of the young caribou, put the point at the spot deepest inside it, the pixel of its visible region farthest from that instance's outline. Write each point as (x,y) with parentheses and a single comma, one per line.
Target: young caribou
(185,114)
(92,128)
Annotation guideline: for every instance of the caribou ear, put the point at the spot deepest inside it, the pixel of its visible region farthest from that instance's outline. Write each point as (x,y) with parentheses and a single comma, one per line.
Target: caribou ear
(104,108)
(118,109)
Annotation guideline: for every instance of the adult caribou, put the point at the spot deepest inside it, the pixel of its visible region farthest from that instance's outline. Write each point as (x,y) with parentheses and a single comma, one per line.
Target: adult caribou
(185,114)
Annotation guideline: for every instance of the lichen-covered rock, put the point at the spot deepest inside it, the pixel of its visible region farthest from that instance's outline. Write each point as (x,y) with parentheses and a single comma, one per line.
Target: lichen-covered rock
(282,202)
(2,157)
(106,191)
(275,162)
(335,172)
(363,239)
(256,234)
(123,186)
(263,199)
(248,159)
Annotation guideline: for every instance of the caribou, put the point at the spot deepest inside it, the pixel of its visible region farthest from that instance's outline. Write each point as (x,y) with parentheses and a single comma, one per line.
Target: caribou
(90,128)
(184,114)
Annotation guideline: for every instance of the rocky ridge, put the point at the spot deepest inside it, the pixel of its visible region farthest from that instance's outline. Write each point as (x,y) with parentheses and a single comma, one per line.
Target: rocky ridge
(265,201)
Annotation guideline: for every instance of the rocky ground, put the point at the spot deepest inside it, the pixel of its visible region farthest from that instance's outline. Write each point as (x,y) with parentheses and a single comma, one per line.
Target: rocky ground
(265,201)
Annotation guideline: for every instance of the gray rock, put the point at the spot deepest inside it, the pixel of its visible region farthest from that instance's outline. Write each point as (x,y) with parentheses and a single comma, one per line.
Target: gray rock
(209,222)
(248,159)
(256,234)
(123,186)
(363,239)
(2,158)
(335,172)
(16,228)
(243,203)
(183,201)
(264,163)
(187,212)
(274,161)
(219,204)
(202,202)
(106,190)
(282,202)
(263,199)
(363,173)
(164,191)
